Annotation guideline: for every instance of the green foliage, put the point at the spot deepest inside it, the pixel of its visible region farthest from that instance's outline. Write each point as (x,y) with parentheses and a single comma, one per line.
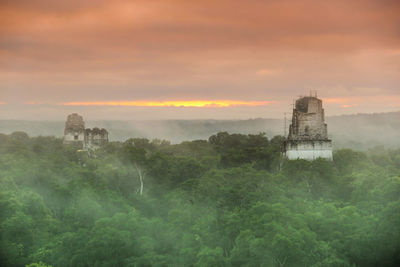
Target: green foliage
(40,264)
(223,202)
(239,149)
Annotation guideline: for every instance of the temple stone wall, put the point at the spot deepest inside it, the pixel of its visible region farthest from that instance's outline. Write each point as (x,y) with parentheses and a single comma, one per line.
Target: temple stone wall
(308,121)
(309,150)
(95,137)
(308,132)
(74,129)
(75,132)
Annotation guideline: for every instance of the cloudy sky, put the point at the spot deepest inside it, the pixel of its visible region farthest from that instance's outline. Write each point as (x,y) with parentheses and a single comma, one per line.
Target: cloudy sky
(182,59)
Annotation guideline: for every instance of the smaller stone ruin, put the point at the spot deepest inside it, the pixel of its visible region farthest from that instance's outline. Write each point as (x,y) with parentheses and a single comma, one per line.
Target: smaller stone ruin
(95,137)
(76,133)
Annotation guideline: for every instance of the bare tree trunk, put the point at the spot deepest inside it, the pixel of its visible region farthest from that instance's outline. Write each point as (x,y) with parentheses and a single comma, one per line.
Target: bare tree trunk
(308,186)
(141,182)
(141,178)
(279,262)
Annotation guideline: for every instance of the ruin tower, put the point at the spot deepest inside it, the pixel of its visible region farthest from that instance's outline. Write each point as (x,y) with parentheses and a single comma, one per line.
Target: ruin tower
(74,131)
(308,133)
(95,137)
(88,139)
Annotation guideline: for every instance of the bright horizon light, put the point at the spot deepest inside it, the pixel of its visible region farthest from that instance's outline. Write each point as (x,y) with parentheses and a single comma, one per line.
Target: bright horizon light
(173,103)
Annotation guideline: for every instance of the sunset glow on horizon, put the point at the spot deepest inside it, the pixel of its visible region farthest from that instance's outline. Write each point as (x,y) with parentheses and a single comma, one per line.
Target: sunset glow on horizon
(173,103)
(107,57)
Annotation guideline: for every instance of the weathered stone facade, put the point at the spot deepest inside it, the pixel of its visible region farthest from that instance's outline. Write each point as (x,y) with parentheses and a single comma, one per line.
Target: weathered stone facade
(95,137)
(308,133)
(75,133)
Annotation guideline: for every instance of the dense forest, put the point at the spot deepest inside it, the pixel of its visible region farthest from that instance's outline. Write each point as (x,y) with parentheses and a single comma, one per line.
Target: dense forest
(226,201)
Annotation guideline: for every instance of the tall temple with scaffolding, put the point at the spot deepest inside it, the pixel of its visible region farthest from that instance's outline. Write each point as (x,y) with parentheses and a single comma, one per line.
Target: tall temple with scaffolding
(308,132)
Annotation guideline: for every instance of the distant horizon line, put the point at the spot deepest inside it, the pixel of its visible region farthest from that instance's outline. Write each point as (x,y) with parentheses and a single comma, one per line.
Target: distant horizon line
(205,119)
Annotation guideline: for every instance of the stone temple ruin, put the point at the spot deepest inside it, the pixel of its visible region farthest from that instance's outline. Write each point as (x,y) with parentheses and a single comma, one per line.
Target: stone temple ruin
(308,133)
(75,133)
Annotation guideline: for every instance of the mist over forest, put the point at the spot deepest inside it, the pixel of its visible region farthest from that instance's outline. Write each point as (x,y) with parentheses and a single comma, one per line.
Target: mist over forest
(359,131)
(228,200)
(152,133)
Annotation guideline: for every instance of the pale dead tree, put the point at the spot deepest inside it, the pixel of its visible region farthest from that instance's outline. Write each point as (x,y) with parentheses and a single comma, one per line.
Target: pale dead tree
(308,186)
(142,174)
(136,157)
(279,262)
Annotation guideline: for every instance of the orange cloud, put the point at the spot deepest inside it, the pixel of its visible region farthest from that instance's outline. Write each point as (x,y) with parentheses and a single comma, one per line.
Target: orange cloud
(356,101)
(349,105)
(52,51)
(268,72)
(34,103)
(179,103)
(347,102)
(336,100)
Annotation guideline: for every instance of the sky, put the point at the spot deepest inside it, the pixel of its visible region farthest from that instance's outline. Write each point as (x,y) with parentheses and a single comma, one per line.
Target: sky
(186,59)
